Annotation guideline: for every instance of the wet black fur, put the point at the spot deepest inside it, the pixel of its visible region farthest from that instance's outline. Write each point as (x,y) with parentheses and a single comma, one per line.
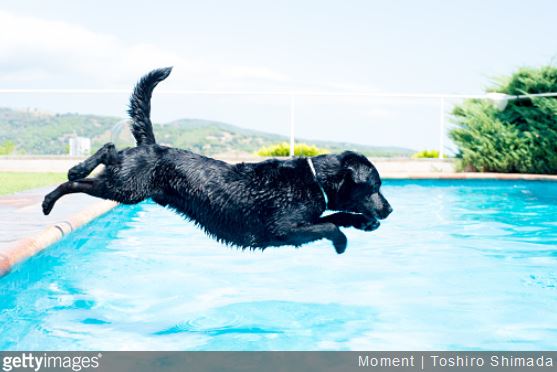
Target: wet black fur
(250,205)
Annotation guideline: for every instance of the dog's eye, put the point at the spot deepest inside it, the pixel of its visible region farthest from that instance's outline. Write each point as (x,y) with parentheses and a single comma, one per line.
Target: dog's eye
(375,187)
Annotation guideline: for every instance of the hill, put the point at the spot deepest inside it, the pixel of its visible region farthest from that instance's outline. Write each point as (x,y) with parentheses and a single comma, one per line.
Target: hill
(38,132)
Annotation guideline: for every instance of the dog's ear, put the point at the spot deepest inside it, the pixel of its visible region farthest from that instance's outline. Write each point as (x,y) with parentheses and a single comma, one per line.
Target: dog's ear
(356,166)
(358,174)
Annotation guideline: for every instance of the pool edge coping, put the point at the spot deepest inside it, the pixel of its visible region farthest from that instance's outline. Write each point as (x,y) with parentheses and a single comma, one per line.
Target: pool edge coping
(29,246)
(468,176)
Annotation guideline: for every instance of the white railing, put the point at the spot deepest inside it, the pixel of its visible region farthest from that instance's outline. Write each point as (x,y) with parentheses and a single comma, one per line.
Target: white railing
(499,100)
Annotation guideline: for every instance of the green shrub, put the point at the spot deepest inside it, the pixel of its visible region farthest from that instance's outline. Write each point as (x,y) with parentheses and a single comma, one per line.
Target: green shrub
(7,147)
(521,138)
(283,149)
(427,154)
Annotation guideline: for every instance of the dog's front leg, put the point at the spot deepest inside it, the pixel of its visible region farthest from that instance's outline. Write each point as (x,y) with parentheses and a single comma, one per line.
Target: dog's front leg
(359,221)
(305,234)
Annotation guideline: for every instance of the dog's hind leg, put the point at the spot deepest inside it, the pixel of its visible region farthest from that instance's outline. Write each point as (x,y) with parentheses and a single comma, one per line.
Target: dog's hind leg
(88,186)
(105,155)
(305,234)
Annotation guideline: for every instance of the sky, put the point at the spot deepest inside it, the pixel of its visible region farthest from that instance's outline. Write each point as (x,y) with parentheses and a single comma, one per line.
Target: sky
(394,46)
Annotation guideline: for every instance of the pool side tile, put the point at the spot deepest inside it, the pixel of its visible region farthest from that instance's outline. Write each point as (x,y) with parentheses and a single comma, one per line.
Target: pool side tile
(5,265)
(467,176)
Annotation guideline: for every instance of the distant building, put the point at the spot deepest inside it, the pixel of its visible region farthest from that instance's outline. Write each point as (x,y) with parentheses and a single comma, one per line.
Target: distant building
(80,146)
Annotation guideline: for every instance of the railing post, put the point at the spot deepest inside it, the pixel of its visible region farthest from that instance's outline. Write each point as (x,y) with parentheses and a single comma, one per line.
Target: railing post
(442,129)
(292,113)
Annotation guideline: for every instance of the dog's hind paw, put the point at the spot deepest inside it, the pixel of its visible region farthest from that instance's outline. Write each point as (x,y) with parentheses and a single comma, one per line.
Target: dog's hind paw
(47,205)
(75,173)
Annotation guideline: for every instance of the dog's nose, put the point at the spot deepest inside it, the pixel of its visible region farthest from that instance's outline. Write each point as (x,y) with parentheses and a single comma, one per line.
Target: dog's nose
(386,211)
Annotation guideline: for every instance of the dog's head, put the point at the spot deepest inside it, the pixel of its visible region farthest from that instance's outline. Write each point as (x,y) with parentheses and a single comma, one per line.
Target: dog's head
(358,188)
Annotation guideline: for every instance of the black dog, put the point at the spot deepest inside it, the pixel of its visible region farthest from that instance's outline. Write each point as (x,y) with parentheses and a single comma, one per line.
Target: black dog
(253,205)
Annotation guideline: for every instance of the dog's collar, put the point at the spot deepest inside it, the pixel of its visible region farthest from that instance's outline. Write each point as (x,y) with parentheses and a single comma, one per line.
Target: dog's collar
(310,163)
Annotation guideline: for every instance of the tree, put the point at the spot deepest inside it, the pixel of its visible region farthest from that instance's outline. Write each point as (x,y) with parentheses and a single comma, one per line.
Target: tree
(521,138)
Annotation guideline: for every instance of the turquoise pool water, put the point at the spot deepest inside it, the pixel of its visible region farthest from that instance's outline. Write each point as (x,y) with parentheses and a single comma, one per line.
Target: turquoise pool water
(458,265)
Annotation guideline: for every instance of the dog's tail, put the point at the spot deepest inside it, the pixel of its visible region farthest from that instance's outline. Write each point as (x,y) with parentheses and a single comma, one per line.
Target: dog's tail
(140,106)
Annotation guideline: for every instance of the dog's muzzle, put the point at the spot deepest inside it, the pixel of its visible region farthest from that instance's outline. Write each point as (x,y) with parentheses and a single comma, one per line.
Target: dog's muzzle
(380,206)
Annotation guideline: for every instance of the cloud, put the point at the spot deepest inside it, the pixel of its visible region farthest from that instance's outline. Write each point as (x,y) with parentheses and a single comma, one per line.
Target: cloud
(36,52)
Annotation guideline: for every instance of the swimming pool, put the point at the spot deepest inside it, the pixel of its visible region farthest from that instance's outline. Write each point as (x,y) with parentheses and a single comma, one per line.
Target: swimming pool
(458,265)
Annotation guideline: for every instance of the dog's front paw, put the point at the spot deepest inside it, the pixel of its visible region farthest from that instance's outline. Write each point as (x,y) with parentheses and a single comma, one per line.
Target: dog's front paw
(366,224)
(340,243)
(371,225)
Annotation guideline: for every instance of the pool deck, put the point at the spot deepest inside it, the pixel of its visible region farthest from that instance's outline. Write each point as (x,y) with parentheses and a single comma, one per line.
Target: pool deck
(389,168)
(25,231)
(467,176)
